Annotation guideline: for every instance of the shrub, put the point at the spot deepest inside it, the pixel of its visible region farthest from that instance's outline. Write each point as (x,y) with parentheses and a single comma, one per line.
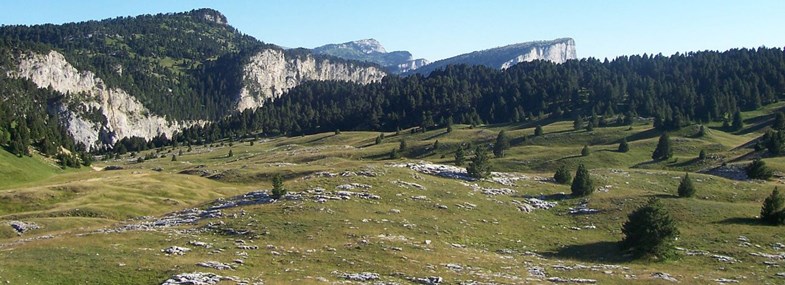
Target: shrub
(650,231)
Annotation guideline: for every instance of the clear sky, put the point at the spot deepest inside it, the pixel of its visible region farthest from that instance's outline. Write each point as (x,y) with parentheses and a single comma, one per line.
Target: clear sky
(436,29)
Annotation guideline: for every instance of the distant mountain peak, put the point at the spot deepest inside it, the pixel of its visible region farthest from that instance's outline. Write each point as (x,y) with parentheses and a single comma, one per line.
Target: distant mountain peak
(369,46)
(209,15)
(371,50)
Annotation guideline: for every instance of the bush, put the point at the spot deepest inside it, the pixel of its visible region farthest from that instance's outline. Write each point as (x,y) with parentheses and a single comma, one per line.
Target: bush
(585,151)
(650,231)
(460,157)
(582,185)
(772,212)
(480,166)
(758,170)
(394,154)
(538,131)
(663,150)
(278,190)
(502,144)
(562,175)
(702,155)
(623,146)
(686,189)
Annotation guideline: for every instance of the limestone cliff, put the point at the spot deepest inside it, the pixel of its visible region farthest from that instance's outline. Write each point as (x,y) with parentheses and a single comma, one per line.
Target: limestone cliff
(558,51)
(124,115)
(271,72)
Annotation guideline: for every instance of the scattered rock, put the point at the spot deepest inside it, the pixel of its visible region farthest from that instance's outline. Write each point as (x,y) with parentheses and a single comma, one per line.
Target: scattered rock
(199,243)
(395,211)
(571,280)
(432,280)
(352,186)
(194,279)
(21,227)
(362,277)
(454,267)
(215,265)
(537,272)
(726,281)
(176,250)
(407,185)
(663,276)
(780,274)
(447,171)
(583,209)
(723,258)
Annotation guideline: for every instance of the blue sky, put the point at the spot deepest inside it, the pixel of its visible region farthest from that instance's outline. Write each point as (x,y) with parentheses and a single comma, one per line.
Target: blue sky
(436,29)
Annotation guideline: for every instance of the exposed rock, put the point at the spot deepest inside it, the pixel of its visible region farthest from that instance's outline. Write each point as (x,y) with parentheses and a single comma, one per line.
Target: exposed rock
(572,280)
(405,184)
(537,272)
(176,250)
(362,277)
(432,280)
(352,186)
(583,209)
(726,281)
(215,265)
(196,278)
(270,72)
(663,276)
(21,227)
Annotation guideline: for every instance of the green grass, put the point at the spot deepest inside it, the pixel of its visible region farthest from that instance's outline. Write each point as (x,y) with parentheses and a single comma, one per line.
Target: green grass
(20,170)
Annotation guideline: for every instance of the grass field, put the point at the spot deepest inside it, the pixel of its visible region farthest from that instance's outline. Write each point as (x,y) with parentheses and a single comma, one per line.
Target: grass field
(447,228)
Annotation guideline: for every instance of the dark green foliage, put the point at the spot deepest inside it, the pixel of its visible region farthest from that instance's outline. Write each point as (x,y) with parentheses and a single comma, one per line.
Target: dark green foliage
(180,153)
(590,126)
(650,232)
(460,157)
(779,121)
(775,142)
(577,123)
(624,146)
(174,157)
(538,131)
(394,154)
(378,140)
(230,153)
(562,175)
(702,155)
(663,150)
(402,145)
(738,122)
(337,131)
(773,209)
(436,145)
(501,145)
(758,170)
(480,166)
(585,151)
(278,189)
(686,189)
(701,132)
(582,185)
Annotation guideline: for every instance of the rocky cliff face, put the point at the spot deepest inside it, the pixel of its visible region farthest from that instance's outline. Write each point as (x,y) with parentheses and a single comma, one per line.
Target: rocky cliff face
(124,115)
(371,50)
(558,51)
(271,72)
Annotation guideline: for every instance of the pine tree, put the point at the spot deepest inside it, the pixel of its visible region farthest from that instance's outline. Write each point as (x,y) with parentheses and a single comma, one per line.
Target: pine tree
(585,151)
(773,208)
(779,121)
(701,132)
(702,155)
(337,131)
(436,145)
(230,153)
(582,185)
(578,123)
(663,150)
(538,131)
(758,170)
(650,231)
(562,175)
(738,122)
(394,154)
(502,144)
(590,127)
(480,166)
(378,140)
(174,157)
(460,157)
(180,153)
(624,146)
(278,189)
(402,145)
(686,189)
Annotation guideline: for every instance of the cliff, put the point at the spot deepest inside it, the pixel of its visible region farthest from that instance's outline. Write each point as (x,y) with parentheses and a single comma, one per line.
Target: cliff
(271,72)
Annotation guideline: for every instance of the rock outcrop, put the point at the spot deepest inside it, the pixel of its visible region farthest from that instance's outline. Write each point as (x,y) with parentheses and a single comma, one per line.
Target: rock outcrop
(271,72)
(558,51)
(124,115)
(370,50)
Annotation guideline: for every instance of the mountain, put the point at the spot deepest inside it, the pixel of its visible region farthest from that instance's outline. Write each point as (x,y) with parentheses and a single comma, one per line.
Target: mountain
(152,75)
(558,51)
(370,50)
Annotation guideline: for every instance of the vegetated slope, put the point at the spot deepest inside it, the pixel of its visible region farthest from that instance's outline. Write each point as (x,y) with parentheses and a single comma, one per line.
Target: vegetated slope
(696,87)
(19,170)
(420,225)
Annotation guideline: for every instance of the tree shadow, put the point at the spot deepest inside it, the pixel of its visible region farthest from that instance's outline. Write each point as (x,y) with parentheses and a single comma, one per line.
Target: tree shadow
(684,163)
(568,157)
(647,134)
(599,252)
(441,134)
(740,221)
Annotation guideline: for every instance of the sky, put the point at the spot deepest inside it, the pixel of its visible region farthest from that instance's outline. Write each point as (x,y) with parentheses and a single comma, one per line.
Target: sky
(437,29)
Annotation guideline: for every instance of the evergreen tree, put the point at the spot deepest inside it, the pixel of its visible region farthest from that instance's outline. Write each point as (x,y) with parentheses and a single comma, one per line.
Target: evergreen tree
(701,132)
(479,167)
(779,121)
(230,153)
(460,157)
(378,140)
(686,189)
(436,145)
(624,146)
(562,175)
(402,145)
(758,170)
(538,131)
(582,185)
(663,150)
(174,157)
(578,123)
(337,131)
(278,189)
(773,208)
(702,155)
(502,144)
(180,153)
(394,154)
(585,151)
(738,122)
(590,127)
(650,231)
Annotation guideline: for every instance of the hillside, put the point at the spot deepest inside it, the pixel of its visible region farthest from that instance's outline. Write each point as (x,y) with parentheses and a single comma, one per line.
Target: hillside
(353,215)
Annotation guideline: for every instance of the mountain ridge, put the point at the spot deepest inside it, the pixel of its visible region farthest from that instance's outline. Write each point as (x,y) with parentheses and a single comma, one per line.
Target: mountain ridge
(371,50)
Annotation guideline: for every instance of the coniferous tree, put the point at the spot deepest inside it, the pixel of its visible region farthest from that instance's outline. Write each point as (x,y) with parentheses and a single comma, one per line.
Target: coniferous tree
(378,140)
(663,150)
(479,167)
(779,121)
(562,175)
(436,145)
(180,153)
(738,122)
(278,189)
(624,146)
(686,189)
(337,131)
(773,208)
(582,184)
(702,155)
(174,157)
(538,131)
(460,157)
(701,132)
(590,126)
(577,124)
(502,144)
(758,170)
(650,231)
(394,154)
(402,145)
(230,154)
(585,150)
